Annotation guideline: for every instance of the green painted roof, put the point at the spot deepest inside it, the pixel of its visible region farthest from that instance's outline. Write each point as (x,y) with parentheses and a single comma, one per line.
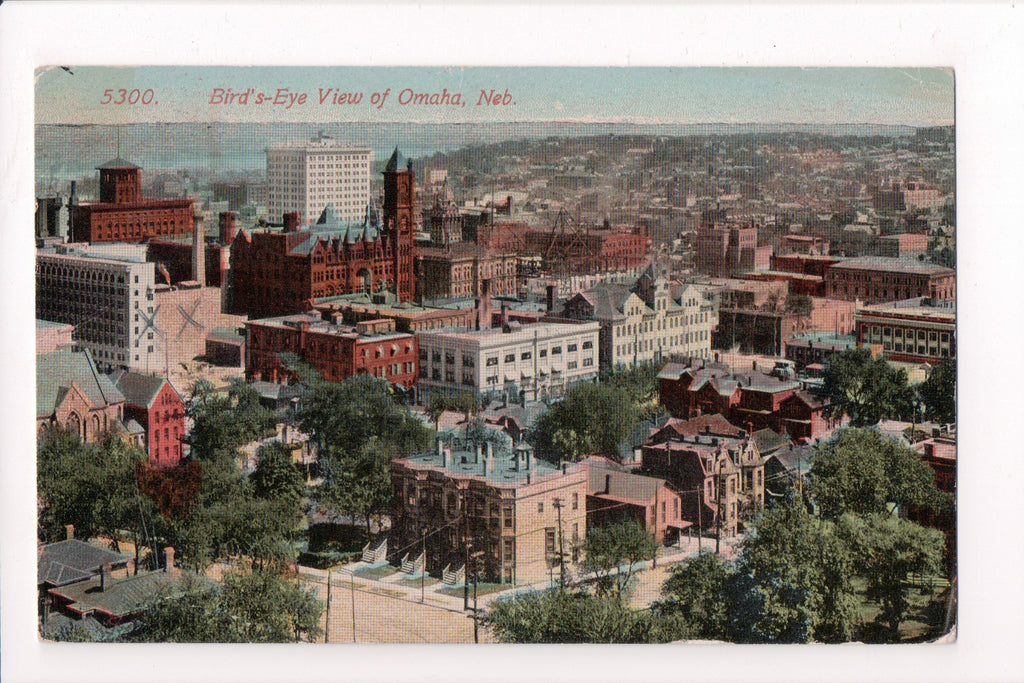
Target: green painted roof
(57,370)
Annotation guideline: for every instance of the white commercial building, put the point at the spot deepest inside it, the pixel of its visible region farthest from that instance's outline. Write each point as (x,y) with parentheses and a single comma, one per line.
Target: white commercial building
(108,299)
(530,362)
(645,323)
(307,176)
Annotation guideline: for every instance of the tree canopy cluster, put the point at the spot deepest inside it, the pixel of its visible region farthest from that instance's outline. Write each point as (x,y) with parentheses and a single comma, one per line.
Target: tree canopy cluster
(592,420)
(802,574)
(254,607)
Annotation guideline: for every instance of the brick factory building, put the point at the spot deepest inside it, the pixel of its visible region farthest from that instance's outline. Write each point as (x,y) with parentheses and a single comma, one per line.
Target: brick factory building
(459,270)
(872,279)
(337,352)
(282,272)
(495,499)
(123,215)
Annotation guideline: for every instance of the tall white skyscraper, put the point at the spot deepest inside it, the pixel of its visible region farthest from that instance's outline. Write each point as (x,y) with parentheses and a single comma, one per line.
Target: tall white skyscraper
(306,176)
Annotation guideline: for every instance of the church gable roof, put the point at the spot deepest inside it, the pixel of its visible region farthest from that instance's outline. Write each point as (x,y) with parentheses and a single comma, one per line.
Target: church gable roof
(57,371)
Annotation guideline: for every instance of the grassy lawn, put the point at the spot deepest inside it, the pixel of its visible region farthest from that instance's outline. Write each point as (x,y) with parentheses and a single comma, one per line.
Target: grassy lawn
(924,621)
(481,589)
(428,581)
(376,572)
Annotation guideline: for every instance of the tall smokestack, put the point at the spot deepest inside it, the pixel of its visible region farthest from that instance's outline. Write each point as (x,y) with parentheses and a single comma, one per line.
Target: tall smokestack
(551,298)
(198,249)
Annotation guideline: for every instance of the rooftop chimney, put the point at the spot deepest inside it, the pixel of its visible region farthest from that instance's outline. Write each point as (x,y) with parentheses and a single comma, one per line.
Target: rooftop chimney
(551,299)
(104,576)
(168,559)
(198,249)
(607,483)
(69,532)
(291,221)
(478,453)
(227,227)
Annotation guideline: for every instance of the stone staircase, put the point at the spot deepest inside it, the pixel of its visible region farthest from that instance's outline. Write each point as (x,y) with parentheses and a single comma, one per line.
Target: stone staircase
(375,555)
(413,566)
(454,577)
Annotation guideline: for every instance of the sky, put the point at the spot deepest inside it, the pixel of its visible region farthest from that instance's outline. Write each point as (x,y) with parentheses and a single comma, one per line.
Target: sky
(643,95)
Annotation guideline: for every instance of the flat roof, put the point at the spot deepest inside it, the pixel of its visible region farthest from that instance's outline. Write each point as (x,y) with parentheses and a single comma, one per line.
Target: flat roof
(894,265)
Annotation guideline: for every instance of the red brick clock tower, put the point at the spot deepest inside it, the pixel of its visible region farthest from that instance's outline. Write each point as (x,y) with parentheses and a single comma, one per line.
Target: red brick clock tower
(399,196)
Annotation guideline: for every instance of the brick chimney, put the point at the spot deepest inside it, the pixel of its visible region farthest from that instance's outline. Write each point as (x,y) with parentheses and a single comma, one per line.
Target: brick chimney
(550,299)
(198,249)
(69,532)
(291,221)
(104,576)
(227,227)
(169,559)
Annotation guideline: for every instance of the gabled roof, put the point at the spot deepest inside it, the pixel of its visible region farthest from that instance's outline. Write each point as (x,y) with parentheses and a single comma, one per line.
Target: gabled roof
(121,597)
(330,227)
(768,440)
(808,399)
(73,560)
(57,370)
(138,388)
(607,299)
(715,424)
(622,485)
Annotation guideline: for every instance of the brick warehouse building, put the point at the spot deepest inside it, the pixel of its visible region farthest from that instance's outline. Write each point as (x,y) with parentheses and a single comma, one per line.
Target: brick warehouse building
(337,352)
(123,215)
(280,272)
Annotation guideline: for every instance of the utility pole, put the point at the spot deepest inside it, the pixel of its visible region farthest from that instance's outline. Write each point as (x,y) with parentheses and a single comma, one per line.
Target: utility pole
(561,551)
(465,581)
(327,622)
(700,520)
(718,513)
(352,585)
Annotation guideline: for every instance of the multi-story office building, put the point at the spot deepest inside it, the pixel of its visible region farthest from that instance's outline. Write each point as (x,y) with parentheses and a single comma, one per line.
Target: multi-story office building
(644,324)
(336,351)
(521,362)
(919,330)
(492,501)
(460,270)
(108,299)
(725,250)
(306,176)
(877,278)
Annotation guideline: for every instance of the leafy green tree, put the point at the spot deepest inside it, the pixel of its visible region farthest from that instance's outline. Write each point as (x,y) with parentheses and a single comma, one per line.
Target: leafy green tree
(801,306)
(255,607)
(359,484)
(592,420)
(558,616)
(225,421)
(439,403)
(695,595)
(938,392)
(343,416)
(640,382)
(617,548)
(888,549)
(864,388)
(276,476)
(862,471)
(91,486)
(795,585)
